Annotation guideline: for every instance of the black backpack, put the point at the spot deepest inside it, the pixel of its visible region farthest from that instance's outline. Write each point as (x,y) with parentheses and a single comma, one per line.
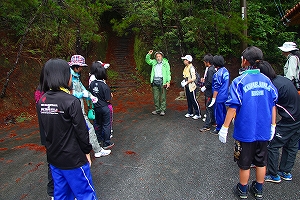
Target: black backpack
(198,78)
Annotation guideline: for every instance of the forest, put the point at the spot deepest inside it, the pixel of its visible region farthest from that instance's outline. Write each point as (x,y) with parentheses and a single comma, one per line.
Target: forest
(41,29)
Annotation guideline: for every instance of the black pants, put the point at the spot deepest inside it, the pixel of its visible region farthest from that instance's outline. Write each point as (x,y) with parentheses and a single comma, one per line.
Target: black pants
(210,114)
(286,137)
(50,184)
(192,101)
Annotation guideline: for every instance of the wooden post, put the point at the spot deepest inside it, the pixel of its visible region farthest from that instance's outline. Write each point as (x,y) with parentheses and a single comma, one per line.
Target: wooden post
(244,17)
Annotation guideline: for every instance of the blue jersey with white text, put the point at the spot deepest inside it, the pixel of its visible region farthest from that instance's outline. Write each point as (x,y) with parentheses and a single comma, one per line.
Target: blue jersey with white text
(253,96)
(221,84)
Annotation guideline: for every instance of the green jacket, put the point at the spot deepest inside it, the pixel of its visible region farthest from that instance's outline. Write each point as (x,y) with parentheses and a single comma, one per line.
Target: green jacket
(166,72)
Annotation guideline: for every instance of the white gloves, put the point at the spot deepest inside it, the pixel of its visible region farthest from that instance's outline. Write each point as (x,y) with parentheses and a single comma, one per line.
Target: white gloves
(94,99)
(85,94)
(183,83)
(223,134)
(213,100)
(273,127)
(203,89)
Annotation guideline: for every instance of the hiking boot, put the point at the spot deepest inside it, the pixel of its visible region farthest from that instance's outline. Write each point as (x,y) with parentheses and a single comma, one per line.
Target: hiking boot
(255,192)
(187,115)
(215,132)
(162,113)
(273,179)
(196,117)
(204,129)
(108,146)
(155,112)
(285,176)
(103,152)
(240,193)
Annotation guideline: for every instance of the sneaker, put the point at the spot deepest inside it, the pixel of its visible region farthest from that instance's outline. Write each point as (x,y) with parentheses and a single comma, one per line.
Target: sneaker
(204,119)
(155,112)
(103,152)
(215,132)
(187,115)
(204,115)
(273,179)
(204,129)
(240,193)
(162,113)
(285,176)
(196,117)
(109,146)
(255,192)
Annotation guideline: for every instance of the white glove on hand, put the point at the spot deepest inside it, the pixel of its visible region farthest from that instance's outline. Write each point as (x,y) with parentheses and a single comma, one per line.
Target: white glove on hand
(273,127)
(223,134)
(94,99)
(85,93)
(203,89)
(213,100)
(183,83)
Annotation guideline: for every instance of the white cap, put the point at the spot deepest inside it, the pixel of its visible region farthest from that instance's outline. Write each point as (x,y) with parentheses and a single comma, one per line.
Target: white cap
(188,58)
(288,46)
(106,65)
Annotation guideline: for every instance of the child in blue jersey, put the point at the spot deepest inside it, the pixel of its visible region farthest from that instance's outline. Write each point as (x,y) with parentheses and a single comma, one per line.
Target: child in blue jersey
(251,100)
(220,92)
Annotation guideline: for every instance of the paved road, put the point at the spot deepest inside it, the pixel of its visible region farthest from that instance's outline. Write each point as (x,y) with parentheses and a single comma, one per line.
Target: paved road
(154,158)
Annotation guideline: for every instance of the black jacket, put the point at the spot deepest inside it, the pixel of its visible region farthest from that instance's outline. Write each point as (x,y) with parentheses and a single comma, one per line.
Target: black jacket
(208,81)
(288,104)
(67,137)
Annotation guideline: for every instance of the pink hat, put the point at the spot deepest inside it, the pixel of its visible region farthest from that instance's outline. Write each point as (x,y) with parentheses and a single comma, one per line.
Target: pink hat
(77,60)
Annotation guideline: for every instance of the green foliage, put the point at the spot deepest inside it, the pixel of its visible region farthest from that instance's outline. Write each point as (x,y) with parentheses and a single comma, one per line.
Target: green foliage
(112,75)
(140,52)
(172,26)
(58,25)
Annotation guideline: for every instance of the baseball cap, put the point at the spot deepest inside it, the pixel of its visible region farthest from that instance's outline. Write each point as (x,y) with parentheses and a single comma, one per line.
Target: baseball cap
(188,58)
(288,46)
(77,60)
(105,65)
(159,52)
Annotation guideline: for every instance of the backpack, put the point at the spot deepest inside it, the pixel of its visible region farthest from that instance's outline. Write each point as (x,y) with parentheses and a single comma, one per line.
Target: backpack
(198,79)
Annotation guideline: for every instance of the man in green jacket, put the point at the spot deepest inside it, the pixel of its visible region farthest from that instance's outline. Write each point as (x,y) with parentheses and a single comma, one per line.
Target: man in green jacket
(160,80)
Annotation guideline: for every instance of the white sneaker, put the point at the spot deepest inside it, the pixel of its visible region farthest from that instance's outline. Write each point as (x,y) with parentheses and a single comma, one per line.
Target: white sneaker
(204,115)
(187,115)
(196,117)
(103,152)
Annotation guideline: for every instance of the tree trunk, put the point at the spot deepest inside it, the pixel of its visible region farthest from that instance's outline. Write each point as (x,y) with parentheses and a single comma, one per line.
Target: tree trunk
(5,85)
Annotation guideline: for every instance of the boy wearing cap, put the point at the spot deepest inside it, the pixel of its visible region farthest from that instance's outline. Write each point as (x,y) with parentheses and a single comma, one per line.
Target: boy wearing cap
(160,80)
(189,75)
(78,90)
(207,88)
(291,67)
(252,98)
(220,92)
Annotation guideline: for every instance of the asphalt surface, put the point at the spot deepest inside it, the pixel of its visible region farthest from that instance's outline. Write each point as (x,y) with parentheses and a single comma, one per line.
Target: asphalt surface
(154,158)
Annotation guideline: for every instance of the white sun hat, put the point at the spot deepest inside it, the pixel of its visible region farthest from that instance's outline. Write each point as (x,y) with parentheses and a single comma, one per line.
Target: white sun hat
(288,46)
(188,58)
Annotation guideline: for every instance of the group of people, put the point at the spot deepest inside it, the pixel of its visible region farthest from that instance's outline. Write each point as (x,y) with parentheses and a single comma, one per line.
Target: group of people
(251,103)
(65,129)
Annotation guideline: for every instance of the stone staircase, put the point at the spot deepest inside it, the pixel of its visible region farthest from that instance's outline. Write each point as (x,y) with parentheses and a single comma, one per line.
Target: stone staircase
(122,61)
